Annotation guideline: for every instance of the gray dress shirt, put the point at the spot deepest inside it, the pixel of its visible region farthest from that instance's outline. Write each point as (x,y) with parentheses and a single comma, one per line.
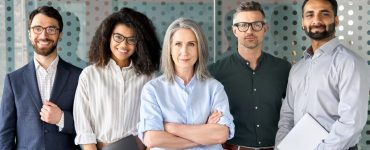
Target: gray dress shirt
(332,85)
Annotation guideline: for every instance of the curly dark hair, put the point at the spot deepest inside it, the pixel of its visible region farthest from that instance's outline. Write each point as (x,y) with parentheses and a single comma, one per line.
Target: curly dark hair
(147,50)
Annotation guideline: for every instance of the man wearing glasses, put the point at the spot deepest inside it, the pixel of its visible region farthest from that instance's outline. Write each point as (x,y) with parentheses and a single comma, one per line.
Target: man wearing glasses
(254,81)
(37,102)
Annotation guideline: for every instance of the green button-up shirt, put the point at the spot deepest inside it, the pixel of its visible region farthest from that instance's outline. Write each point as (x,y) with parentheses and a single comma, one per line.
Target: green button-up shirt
(255,96)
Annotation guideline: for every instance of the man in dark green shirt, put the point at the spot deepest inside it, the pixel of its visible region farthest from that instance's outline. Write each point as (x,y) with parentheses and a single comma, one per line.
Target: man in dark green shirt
(255,82)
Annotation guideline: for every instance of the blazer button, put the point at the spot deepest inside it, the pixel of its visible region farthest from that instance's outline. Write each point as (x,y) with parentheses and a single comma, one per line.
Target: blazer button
(46,131)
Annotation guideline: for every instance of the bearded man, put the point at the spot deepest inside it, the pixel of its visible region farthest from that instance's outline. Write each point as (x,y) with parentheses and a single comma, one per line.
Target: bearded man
(330,82)
(37,103)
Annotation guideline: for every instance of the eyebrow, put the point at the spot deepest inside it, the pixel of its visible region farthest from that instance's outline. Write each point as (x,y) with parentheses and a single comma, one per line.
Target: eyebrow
(311,11)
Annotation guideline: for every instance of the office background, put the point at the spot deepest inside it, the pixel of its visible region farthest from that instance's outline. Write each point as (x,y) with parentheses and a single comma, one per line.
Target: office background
(285,38)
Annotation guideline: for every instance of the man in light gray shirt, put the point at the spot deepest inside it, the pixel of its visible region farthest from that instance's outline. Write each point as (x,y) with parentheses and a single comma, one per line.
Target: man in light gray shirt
(330,82)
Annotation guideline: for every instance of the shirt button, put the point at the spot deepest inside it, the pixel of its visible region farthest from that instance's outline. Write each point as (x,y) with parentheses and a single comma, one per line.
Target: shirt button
(258,125)
(259,142)
(254,89)
(46,131)
(256,107)
(254,73)
(247,63)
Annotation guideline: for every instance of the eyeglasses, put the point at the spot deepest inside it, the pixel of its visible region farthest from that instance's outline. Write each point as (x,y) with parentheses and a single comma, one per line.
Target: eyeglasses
(244,26)
(120,38)
(49,30)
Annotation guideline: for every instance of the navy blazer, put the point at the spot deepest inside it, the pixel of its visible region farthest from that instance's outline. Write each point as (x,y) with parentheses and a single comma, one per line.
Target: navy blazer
(20,123)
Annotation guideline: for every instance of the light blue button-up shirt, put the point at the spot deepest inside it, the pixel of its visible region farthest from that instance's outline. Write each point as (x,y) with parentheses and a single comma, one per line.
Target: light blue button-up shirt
(163,101)
(332,85)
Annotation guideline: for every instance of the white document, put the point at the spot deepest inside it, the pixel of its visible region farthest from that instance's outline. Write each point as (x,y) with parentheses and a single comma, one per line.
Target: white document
(305,135)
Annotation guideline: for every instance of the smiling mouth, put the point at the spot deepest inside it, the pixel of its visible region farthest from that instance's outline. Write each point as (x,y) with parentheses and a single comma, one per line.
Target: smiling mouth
(123,51)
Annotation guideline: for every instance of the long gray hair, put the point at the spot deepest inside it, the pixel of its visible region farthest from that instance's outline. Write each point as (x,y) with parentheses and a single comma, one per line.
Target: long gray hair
(167,64)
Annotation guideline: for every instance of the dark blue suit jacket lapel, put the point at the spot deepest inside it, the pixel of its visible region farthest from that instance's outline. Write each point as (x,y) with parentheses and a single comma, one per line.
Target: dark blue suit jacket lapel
(30,79)
(59,81)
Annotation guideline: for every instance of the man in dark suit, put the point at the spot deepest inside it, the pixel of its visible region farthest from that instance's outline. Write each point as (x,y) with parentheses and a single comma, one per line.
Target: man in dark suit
(37,103)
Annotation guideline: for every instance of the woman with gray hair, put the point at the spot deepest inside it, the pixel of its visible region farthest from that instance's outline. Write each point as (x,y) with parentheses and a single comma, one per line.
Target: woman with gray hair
(184,108)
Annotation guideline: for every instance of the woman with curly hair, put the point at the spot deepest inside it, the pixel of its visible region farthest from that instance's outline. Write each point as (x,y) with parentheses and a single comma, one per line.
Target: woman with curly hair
(124,55)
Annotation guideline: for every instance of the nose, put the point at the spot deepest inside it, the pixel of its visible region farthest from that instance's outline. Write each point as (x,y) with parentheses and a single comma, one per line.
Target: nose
(183,50)
(317,20)
(123,43)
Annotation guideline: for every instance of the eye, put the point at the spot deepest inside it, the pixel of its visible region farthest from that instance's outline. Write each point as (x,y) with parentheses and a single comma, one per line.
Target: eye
(326,14)
(118,37)
(243,25)
(131,40)
(38,29)
(178,44)
(191,44)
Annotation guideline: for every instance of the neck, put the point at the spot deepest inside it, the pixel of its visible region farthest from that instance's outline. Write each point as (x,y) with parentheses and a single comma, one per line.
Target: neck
(45,61)
(250,55)
(315,44)
(185,74)
(122,64)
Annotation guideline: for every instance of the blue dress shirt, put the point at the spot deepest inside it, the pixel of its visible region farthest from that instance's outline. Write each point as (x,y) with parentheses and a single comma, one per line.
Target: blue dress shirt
(163,101)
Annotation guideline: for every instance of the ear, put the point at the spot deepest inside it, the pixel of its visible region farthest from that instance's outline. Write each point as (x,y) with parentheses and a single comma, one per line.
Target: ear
(302,23)
(234,30)
(266,28)
(336,21)
(60,36)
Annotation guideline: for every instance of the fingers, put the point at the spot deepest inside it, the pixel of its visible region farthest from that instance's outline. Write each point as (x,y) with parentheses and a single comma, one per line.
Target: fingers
(214,117)
(48,103)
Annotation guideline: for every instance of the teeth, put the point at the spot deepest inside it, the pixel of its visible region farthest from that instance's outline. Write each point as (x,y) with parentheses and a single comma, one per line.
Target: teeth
(122,51)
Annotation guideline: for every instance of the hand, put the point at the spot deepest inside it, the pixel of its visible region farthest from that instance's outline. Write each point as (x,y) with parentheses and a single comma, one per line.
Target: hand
(50,113)
(170,127)
(214,117)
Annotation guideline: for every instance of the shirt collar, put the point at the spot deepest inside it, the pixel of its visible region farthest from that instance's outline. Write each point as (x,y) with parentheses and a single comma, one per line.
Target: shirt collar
(180,82)
(52,66)
(326,48)
(243,61)
(114,65)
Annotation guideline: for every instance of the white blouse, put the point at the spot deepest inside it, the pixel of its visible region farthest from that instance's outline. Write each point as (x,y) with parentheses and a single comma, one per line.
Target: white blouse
(107,103)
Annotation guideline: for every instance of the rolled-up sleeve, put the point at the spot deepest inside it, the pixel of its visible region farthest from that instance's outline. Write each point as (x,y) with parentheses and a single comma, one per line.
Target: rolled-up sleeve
(82,114)
(150,113)
(221,103)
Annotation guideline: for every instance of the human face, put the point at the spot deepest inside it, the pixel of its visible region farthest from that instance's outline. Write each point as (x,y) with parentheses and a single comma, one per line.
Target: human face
(184,49)
(122,50)
(44,43)
(250,39)
(318,20)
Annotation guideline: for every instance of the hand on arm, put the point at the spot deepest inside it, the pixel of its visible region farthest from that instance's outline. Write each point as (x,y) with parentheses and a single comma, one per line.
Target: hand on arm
(166,140)
(204,134)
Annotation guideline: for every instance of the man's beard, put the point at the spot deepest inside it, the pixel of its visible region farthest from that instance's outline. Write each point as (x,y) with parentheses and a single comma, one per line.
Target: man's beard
(45,51)
(329,31)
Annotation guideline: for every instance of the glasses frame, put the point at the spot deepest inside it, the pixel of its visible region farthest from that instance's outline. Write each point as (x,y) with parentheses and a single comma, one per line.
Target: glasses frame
(47,30)
(127,39)
(249,24)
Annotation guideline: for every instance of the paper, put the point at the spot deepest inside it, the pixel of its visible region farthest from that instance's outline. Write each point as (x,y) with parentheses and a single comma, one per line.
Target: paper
(305,135)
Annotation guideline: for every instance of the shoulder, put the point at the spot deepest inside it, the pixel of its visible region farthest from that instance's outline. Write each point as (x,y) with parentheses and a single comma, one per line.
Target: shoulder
(212,83)
(221,64)
(70,67)
(155,84)
(343,53)
(277,61)
(23,70)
